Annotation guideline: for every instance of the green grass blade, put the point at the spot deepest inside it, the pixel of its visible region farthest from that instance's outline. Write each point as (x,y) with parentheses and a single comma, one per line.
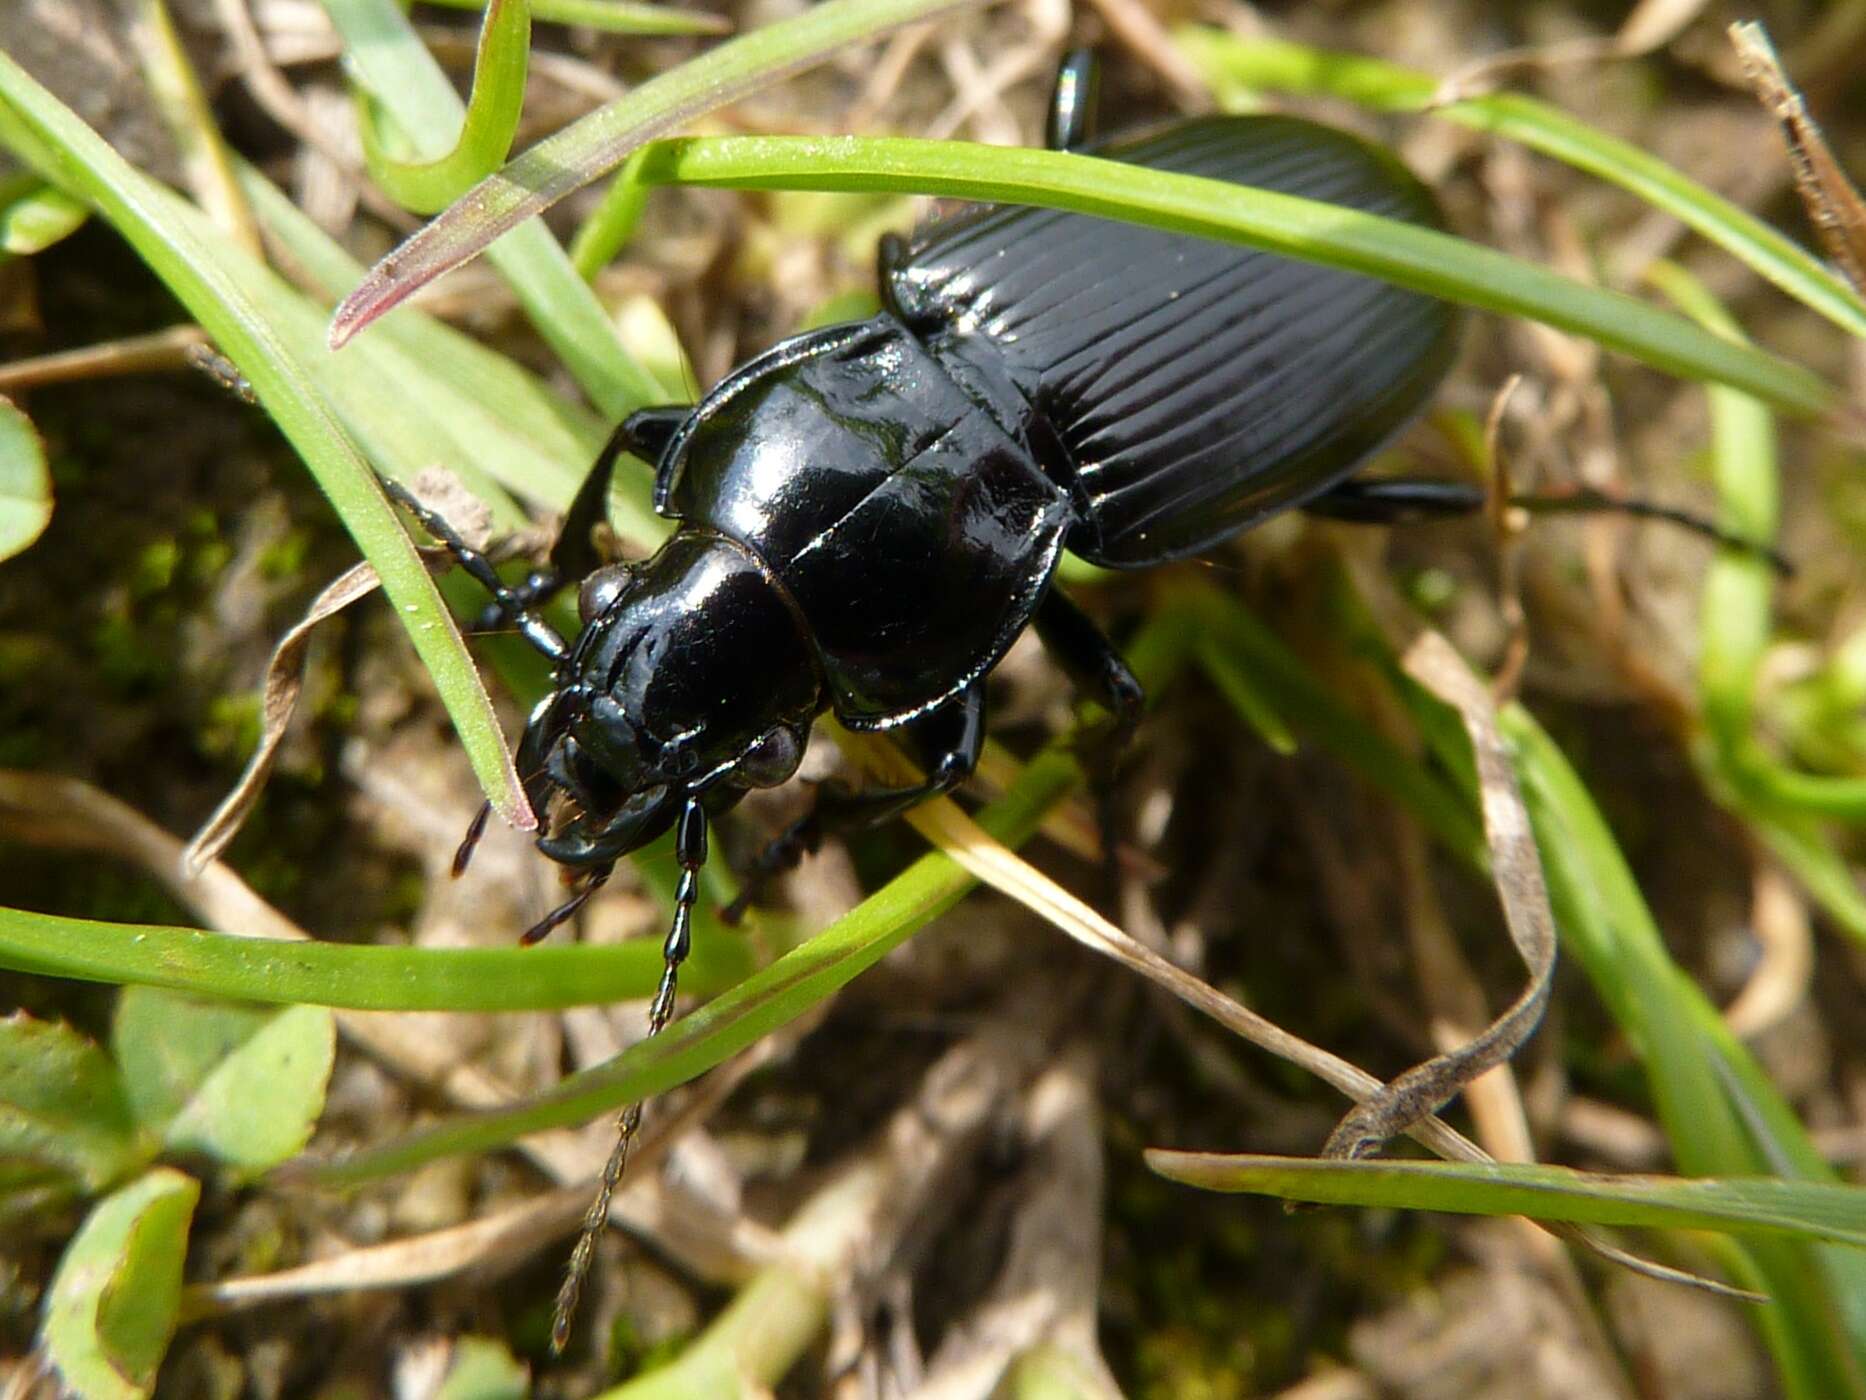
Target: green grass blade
(599,142)
(614,16)
(360,977)
(182,251)
(737,1018)
(610,226)
(416,93)
(1232,63)
(492,111)
(787,988)
(1396,251)
(1228,633)
(1802,1209)
(1719,1109)
(1734,629)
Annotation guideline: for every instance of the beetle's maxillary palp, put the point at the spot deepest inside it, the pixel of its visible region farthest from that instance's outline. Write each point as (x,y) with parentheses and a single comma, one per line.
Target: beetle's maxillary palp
(690,852)
(470,842)
(540,930)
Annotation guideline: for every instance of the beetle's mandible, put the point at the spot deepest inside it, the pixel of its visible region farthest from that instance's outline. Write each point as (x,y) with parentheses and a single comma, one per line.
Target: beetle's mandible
(869,514)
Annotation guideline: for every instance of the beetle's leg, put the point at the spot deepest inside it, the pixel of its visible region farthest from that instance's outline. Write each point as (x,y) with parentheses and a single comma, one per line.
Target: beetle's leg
(1073,101)
(950,737)
(643,433)
(690,851)
(511,605)
(1091,661)
(1401,500)
(1397,500)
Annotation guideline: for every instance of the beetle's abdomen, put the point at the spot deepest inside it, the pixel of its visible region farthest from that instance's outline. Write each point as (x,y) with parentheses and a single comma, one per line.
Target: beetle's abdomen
(1195,386)
(914,535)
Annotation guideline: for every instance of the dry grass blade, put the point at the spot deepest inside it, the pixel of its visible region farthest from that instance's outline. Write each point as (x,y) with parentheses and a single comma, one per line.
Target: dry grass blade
(503,1240)
(284,680)
(947,827)
(283,684)
(1651,25)
(1517,868)
(1834,206)
(135,354)
(1784,974)
(941,822)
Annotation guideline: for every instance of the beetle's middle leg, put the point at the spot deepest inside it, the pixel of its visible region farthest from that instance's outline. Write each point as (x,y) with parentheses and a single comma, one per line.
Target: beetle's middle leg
(1098,671)
(950,738)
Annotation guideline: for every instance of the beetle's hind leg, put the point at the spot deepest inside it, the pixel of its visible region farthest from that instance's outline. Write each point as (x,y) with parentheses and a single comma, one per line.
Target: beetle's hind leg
(951,739)
(1406,500)
(1073,101)
(1091,661)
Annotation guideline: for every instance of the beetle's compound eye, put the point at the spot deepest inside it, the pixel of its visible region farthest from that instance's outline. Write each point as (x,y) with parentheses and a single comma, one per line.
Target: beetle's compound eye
(601,589)
(772,759)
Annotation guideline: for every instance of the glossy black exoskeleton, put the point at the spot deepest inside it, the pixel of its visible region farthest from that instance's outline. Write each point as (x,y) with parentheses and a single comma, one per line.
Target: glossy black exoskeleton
(868,515)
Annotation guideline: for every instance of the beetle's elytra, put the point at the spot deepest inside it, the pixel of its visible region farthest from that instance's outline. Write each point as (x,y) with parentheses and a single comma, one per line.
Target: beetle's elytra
(869,514)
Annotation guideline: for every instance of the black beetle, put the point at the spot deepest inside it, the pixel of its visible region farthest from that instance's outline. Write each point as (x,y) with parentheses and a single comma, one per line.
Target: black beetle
(869,514)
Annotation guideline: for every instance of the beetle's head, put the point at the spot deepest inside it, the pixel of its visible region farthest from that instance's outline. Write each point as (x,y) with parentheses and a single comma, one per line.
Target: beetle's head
(691,677)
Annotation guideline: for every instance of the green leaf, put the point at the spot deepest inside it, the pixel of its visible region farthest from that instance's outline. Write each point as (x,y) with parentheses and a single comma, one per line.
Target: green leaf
(484,1370)
(1806,1209)
(62,1104)
(485,135)
(195,261)
(600,141)
(34,215)
(113,1302)
(1232,63)
(615,16)
(25,482)
(241,1084)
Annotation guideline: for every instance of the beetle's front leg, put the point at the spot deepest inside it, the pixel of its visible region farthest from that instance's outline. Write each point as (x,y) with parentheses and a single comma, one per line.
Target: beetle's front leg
(642,434)
(951,737)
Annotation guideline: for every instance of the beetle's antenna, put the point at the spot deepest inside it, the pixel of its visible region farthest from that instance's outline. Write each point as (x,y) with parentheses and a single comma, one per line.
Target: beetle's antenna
(1586,500)
(533,628)
(690,851)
